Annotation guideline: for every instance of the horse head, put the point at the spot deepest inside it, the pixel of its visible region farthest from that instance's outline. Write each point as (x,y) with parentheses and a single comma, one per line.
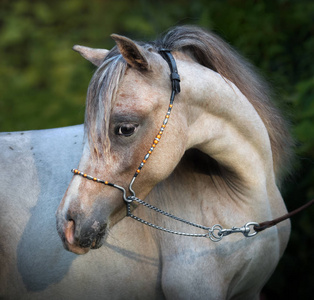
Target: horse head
(127,101)
(223,110)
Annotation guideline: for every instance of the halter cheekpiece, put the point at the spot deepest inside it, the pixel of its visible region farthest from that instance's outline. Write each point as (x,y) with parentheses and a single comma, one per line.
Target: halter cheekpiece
(216,232)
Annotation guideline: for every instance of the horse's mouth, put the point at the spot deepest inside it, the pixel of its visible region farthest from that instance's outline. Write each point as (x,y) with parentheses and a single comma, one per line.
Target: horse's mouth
(98,241)
(92,239)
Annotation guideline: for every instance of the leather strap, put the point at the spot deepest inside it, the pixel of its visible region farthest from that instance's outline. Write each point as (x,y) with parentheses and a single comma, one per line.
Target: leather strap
(174,76)
(264,225)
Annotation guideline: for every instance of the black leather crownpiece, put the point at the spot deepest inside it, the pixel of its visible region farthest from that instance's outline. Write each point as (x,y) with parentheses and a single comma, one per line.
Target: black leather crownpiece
(174,76)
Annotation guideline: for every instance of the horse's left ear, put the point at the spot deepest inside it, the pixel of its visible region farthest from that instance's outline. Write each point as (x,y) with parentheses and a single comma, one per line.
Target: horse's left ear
(95,56)
(134,54)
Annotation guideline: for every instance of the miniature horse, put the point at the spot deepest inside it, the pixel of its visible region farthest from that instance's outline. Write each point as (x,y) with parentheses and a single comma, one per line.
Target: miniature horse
(218,161)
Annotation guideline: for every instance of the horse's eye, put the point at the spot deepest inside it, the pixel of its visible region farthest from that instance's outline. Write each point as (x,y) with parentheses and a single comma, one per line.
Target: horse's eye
(126,129)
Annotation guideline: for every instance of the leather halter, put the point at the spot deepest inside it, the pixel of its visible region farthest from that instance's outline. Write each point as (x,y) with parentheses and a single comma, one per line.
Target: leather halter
(216,232)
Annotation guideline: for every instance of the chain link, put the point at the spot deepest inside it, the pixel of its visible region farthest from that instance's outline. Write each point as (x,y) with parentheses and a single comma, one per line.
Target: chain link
(160,227)
(214,233)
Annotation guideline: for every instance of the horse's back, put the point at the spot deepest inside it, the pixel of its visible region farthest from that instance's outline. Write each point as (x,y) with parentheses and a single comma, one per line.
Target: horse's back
(32,161)
(33,158)
(34,171)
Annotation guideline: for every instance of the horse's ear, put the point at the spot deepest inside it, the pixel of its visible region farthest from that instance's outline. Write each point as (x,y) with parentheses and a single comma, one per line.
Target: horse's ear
(134,54)
(95,56)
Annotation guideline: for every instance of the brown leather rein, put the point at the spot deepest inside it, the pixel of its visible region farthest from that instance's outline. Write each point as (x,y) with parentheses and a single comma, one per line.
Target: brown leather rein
(267,224)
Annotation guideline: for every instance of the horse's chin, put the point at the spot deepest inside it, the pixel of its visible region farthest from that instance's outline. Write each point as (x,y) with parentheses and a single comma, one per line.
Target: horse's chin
(77,249)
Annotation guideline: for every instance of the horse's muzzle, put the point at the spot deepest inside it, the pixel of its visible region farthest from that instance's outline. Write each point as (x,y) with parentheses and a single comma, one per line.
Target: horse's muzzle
(80,238)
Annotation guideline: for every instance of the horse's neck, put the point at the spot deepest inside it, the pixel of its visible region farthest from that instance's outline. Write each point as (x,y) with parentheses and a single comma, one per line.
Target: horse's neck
(195,191)
(225,126)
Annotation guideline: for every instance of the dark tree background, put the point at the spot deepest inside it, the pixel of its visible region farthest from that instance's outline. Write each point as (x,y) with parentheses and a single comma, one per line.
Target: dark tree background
(43,82)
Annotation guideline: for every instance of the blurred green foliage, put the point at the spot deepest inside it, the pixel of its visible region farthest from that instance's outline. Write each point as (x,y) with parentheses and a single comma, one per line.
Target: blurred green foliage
(43,82)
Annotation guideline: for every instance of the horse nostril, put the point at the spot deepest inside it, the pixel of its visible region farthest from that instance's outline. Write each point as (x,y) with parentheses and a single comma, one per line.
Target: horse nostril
(69,230)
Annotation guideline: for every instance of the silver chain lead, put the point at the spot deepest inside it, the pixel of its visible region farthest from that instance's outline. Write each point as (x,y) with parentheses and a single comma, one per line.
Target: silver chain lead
(215,233)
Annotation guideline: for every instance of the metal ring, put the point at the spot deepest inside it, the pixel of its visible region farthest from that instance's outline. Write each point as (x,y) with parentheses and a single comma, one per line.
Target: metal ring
(215,237)
(248,233)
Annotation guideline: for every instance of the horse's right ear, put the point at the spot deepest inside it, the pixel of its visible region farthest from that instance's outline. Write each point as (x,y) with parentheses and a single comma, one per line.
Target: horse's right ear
(95,56)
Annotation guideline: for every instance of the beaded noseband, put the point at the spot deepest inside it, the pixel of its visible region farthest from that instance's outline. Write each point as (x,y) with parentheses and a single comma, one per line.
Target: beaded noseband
(216,232)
